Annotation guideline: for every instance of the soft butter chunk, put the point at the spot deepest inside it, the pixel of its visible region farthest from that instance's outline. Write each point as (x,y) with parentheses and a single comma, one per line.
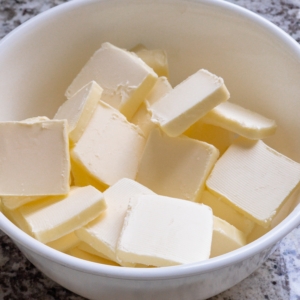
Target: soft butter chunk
(156,59)
(163,231)
(51,222)
(34,158)
(110,147)
(79,109)
(255,179)
(103,233)
(65,242)
(226,238)
(13,202)
(124,77)
(176,167)
(227,212)
(242,121)
(188,102)
(142,117)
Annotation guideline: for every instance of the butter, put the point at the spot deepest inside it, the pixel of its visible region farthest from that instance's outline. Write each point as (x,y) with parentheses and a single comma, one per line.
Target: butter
(79,109)
(103,233)
(124,77)
(89,249)
(255,179)
(110,147)
(142,117)
(188,102)
(242,121)
(34,158)
(227,212)
(157,231)
(226,238)
(176,167)
(51,222)
(13,202)
(78,253)
(211,134)
(65,243)
(156,59)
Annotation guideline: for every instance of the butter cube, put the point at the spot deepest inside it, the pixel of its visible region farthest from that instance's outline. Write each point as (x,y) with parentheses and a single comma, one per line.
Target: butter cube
(34,158)
(103,233)
(215,135)
(142,117)
(156,59)
(188,102)
(163,231)
(110,147)
(13,202)
(65,243)
(242,121)
(227,212)
(79,109)
(51,222)
(226,238)
(255,179)
(124,77)
(176,167)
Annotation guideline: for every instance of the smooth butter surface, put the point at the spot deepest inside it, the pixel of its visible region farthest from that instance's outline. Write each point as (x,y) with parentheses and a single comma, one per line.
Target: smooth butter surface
(188,102)
(242,121)
(124,77)
(34,158)
(175,167)
(79,109)
(254,178)
(110,147)
(103,233)
(157,231)
(51,222)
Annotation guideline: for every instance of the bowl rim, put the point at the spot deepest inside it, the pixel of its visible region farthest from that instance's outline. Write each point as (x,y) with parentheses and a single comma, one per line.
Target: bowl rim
(234,257)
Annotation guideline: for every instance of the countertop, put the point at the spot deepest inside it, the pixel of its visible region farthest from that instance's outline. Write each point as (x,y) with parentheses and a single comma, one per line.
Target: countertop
(277,278)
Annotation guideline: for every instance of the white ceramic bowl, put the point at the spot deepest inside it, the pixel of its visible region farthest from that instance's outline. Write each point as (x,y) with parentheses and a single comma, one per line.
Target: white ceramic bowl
(261,68)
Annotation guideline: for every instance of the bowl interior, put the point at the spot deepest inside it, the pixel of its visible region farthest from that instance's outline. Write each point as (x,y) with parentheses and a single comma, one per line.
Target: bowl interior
(260,65)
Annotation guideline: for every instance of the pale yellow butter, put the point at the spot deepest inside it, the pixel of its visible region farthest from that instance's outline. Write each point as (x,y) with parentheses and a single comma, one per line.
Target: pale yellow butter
(110,147)
(124,77)
(227,212)
(142,117)
(65,243)
(242,121)
(79,109)
(226,238)
(176,167)
(51,222)
(34,158)
(188,102)
(163,231)
(103,233)
(254,178)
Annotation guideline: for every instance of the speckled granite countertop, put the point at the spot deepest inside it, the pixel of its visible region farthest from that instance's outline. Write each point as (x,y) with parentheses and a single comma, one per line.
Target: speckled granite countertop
(278,278)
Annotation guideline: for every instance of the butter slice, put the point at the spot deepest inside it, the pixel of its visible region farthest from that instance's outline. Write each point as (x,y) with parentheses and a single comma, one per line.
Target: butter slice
(103,233)
(156,59)
(110,147)
(215,135)
(124,77)
(176,167)
(76,252)
(242,121)
(53,221)
(226,238)
(12,202)
(188,102)
(255,179)
(65,243)
(163,231)
(34,158)
(79,109)
(142,117)
(227,212)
